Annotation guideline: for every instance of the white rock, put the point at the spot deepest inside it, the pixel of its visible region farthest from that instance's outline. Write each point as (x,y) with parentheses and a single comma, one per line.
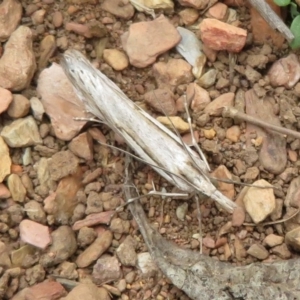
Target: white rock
(259,203)
(145,263)
(190,48)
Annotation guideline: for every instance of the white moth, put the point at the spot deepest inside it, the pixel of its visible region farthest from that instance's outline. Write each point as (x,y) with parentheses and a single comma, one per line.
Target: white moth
(152,141)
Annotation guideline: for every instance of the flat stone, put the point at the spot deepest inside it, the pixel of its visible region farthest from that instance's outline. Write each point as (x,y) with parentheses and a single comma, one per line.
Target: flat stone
(63,245)
(189,16)
(215,108)
(106,269)
(233,133)
(19,107)
(94,219)
(10,17)
(81,29)
(285,71)
(126,252)
(218,11)
(258,251)
(226,189)
(259,203)
(162,100)
(159,33)
(17,64)
(35,234)
(95,250)
(238,217)
(282,251)
(292,239)
(87,291)
(51,290)
(5,160)
(62,164)
(82,146)
(200,97)
(5,99)
(16,188)
(174,72)
(22,133)
(272,240)
(218,35)
(118,8)
(61,102)
(116,59)
(198,4)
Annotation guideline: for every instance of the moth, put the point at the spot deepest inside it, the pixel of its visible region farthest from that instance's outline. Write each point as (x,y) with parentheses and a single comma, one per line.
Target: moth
(155,144)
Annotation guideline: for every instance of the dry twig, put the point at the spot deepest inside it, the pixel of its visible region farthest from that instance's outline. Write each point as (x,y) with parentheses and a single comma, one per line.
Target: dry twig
(272,18)
(205,278)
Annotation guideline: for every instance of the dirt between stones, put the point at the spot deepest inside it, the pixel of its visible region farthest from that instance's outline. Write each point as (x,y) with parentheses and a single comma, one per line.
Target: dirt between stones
(59,187)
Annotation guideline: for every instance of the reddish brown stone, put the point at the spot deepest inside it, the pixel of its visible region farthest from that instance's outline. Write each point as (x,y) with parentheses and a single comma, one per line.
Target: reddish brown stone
(218,35)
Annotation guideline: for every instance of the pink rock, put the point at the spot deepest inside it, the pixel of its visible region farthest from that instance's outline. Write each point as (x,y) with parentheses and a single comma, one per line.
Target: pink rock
(174,72)
(146,40)
(226,189)
(94,219)
(10,17)
(208,242)
(200,97)
(47,290)
(119,8)
(162,100)
(218,35)
(187,138)
(238,217)
(17,65)
(81,29)
(97,135)
(218,11)
(35,234)
(285,71)
(215,108)
(82,146)
(4,192)
(199,4)
(5,99)
(60,102)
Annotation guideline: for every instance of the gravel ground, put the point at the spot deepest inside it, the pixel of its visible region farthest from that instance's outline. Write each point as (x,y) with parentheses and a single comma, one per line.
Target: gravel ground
(59,187)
